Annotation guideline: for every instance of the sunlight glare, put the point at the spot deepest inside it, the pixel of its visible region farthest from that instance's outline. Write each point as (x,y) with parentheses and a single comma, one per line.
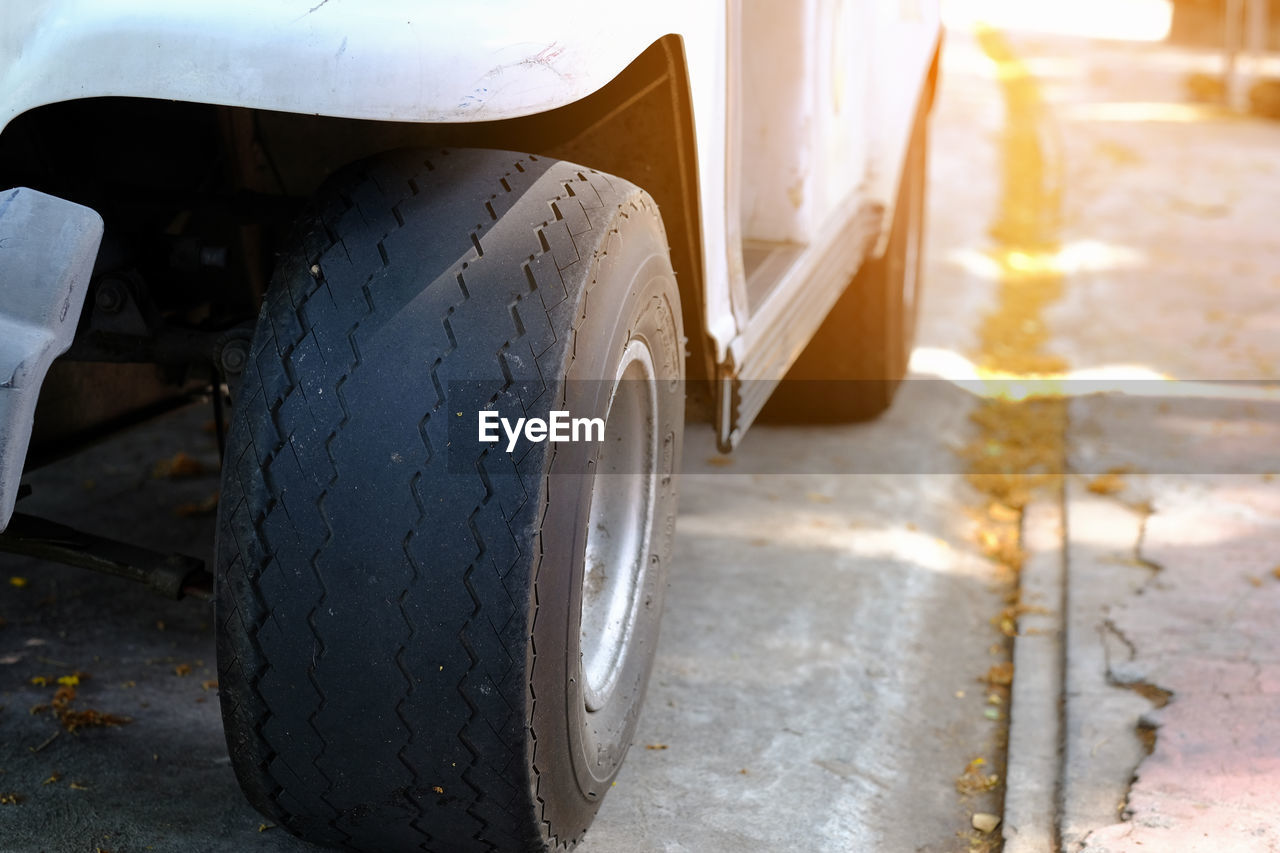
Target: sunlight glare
(1129,20)
(1080,256)
(1143,111)
(1131,380)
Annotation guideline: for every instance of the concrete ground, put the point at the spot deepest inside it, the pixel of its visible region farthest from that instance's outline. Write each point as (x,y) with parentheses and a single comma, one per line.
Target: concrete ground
(1164,615)
(834,603)
(1171,599)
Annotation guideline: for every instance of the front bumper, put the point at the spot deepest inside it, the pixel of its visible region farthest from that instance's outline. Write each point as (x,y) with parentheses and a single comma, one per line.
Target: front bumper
(47,250)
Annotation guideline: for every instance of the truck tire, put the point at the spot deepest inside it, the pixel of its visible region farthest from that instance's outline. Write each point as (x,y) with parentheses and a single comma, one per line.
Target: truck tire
(426,642)
(852,367)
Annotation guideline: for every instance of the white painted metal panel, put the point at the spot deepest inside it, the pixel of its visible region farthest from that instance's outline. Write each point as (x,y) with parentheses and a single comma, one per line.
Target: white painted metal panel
(403,60)
(855,77)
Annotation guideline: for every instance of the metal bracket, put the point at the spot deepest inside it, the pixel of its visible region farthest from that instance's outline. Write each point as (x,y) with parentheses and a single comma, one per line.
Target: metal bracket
(174,576)
(125,327)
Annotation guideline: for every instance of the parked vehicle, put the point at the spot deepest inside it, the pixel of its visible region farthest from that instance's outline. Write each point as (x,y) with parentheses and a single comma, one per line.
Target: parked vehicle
(431,637)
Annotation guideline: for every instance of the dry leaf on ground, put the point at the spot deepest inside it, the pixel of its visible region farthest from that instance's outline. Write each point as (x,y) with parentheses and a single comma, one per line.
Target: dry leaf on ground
(178,466)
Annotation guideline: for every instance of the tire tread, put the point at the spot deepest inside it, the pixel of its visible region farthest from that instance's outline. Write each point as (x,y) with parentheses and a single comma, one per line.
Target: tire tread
(344,280)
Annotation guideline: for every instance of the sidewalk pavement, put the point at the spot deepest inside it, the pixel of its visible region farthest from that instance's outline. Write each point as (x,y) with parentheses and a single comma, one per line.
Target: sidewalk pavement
(1193,646)
(1145,713)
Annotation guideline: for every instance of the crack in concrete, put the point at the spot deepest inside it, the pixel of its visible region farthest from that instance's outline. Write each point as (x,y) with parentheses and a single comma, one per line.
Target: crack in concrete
(1147,727)
(1117,677)
(1145,511)
(1109,627)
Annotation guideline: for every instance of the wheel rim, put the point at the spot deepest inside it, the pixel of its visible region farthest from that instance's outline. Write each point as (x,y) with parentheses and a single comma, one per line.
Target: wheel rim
(619,525)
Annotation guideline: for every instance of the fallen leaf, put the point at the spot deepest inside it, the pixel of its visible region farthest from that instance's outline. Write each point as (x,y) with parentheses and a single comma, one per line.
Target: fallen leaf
(973,780)
(10,798)
(78,786)
(18,582)
(1254,580)
(53,777)
(1006,623)
(984,822)
(182,670)
(178,466)
(69,680)
(437,789)
(1004,514)
(720,461)
(1106,484)
(73,719)
(1000,674)
(1002,546)
(655,746)
(208,685)
(90,718)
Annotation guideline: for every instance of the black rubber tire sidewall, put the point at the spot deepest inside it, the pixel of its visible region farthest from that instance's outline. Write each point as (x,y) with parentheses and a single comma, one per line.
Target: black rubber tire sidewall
(577,756)
(499,763)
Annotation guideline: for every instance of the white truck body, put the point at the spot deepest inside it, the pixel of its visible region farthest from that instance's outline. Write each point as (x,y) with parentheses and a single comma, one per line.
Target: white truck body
(801,111)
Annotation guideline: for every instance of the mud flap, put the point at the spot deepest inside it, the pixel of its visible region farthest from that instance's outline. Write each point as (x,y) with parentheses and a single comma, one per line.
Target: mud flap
(47,250)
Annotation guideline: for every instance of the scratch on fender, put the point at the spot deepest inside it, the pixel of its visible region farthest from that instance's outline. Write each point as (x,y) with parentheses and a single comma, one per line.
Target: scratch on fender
(546,57)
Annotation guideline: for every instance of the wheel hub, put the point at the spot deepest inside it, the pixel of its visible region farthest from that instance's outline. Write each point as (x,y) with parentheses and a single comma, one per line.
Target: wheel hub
(619,525)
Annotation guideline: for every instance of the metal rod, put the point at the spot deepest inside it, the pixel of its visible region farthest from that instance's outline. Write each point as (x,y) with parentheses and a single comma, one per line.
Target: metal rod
(174,576)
